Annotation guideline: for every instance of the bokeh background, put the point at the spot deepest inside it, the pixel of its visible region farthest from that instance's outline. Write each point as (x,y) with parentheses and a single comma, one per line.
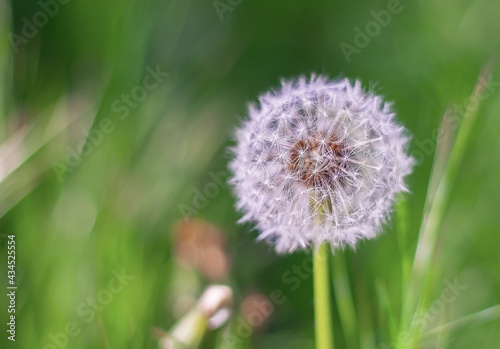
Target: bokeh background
(118,205)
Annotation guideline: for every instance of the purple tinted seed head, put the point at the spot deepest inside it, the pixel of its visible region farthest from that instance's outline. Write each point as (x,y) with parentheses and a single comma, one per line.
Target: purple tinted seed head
(319,161)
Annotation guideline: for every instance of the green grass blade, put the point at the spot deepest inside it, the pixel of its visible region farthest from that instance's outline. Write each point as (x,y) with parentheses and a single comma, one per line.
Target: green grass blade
(481,317)
(385,307)
(345,303)
(433,215)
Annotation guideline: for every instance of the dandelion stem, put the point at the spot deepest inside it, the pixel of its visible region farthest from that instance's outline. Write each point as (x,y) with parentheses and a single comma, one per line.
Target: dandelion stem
(322,304)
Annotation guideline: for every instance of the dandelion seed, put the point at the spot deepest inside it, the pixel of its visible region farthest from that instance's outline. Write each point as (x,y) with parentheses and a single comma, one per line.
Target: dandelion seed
(319,161)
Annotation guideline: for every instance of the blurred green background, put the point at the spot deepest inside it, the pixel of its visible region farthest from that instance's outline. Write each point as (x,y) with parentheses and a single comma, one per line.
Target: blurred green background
(81,215)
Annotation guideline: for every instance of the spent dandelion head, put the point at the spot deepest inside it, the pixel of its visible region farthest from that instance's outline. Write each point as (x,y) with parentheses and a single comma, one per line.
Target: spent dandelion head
(319,161)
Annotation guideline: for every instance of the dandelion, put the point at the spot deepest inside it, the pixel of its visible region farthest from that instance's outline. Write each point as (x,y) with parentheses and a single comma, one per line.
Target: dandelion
(319,161)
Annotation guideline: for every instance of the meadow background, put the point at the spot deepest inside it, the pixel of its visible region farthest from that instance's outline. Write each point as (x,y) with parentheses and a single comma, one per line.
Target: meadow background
(115,205)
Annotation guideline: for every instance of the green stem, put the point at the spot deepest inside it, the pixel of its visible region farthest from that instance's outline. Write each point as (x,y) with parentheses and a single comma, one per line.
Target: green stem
(322,304)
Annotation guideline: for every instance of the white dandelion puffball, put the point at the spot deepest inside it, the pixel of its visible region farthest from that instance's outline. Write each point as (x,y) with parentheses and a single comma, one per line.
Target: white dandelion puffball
(319,161)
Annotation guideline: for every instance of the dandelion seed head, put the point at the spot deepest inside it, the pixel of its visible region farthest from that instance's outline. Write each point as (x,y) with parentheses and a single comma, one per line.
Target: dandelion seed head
(319,161)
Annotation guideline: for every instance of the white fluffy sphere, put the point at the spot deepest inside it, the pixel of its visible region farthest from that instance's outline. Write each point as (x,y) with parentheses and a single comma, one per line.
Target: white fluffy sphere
(319,161)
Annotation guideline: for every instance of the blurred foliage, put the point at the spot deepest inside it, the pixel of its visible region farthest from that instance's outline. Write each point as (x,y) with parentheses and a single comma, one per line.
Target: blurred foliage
(116,209)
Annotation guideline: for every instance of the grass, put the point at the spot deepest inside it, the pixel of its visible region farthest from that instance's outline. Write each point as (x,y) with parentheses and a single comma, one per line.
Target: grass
(116,210)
